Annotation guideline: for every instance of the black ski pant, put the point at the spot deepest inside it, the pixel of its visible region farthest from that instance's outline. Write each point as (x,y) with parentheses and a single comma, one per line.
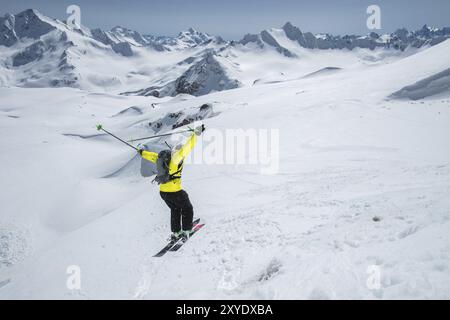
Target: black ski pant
(181,210)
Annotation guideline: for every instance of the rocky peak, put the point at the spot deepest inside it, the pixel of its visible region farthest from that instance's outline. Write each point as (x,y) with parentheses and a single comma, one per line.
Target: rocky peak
(26,24)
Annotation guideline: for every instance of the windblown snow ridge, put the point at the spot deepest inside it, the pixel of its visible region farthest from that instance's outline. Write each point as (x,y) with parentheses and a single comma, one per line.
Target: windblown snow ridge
(323,71)
(436,84)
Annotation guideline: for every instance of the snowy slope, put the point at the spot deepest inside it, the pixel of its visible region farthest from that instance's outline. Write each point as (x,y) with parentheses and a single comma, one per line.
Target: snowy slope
(363,181)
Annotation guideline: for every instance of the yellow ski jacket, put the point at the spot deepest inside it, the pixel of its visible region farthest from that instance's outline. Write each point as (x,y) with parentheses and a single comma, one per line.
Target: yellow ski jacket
(176,164)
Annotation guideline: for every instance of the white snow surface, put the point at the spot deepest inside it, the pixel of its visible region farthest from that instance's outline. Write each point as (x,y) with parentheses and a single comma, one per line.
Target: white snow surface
(363,181)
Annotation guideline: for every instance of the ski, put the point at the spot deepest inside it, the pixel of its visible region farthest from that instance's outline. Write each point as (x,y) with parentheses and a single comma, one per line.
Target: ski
(173,243)
(180,243)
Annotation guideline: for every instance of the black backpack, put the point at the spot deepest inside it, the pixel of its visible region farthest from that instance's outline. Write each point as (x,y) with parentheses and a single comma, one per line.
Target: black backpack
(162,168)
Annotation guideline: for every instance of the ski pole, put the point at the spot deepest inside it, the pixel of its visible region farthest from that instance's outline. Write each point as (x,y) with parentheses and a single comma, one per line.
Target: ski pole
(161,135)
(100,127)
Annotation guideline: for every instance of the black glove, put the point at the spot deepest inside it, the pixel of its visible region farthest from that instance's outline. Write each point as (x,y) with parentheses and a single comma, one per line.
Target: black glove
(140,151)
(199,130)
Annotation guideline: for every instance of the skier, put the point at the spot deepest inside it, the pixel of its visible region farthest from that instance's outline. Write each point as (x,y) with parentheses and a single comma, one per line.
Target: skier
(171,190)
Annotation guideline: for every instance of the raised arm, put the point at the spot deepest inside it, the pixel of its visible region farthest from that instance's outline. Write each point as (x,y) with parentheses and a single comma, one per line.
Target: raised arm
(178,156)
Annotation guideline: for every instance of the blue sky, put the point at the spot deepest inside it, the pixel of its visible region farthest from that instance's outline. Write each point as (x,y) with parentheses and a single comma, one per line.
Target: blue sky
(233,18)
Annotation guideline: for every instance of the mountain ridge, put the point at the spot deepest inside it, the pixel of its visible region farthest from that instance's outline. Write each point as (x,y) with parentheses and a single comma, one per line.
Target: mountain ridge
(46,52)
(9,34)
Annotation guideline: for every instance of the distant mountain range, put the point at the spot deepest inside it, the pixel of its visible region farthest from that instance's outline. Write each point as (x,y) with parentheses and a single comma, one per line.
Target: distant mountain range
(400,39)
(45,52)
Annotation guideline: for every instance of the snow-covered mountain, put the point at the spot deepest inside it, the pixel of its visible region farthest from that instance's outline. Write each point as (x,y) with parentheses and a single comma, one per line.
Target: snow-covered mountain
(37,51)
(202,77)
(188,39)
(122,40)
(27,24)
(125,37)
(400,39)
